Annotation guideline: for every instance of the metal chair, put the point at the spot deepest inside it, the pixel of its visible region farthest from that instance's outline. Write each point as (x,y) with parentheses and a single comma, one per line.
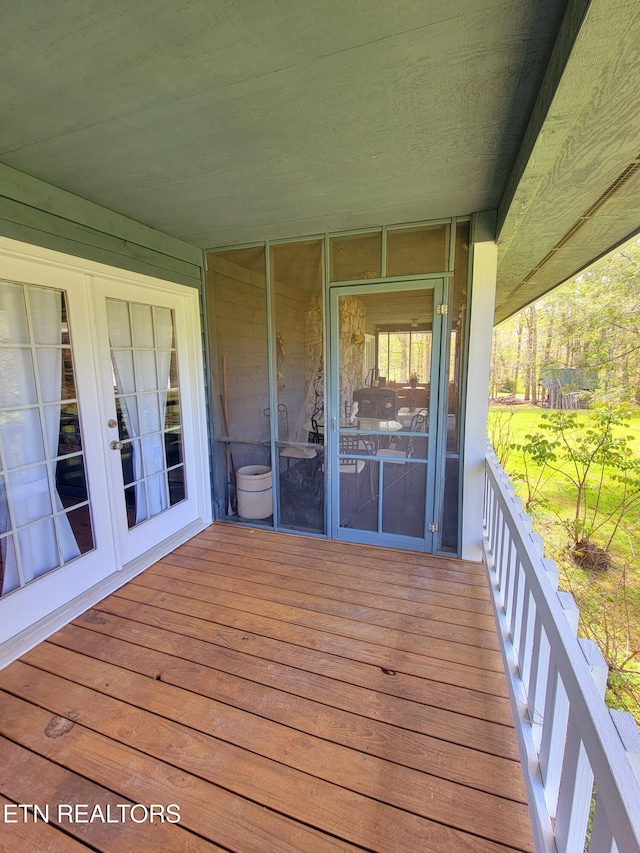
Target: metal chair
(289,451)
(418,424)
(358,446)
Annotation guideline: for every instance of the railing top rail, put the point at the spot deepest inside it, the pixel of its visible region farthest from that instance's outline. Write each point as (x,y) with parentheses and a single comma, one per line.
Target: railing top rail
(617,784)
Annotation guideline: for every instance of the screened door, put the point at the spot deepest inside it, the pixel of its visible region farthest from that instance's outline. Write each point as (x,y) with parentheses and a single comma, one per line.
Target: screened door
(385,351)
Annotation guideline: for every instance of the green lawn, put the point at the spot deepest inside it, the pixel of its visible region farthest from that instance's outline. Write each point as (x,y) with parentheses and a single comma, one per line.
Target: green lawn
(609,598)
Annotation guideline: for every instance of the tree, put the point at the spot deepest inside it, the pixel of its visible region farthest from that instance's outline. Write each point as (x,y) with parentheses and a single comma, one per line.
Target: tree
(591,323)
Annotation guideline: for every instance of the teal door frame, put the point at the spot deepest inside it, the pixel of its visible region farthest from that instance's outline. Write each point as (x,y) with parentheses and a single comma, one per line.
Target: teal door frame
(438,285)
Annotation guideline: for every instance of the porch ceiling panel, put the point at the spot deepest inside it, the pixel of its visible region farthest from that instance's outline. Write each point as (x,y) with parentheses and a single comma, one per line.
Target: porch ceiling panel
(578,191)
(236,121)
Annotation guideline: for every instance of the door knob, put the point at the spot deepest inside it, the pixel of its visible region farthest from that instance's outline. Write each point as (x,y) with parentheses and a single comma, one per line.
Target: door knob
(116,445)
(111,423)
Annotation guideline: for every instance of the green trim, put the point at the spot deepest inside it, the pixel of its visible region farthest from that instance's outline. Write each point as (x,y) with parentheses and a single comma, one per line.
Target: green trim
(35,193)
(38,213)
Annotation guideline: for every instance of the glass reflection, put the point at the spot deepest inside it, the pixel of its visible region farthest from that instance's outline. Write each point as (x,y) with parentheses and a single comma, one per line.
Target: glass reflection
(22,439)
(38,549)
(80,523)
(17,378)
(146,378)
(13,314)
(118,323)
(127,415)
(47,308)
(8,573)
(177,490)
(29,491)
(71,481)
(163,325)
(131,460)
(149,413)
(173,447)
(142,325)
(153,454)
(63,429)
(173,371)
(172,410)
(136,503)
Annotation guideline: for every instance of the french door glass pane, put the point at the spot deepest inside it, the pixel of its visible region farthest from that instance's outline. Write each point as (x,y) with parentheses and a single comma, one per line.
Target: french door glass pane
(143,357)
(40,445)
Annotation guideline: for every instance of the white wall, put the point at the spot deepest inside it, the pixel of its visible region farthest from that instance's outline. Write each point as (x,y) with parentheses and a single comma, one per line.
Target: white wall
(483,291)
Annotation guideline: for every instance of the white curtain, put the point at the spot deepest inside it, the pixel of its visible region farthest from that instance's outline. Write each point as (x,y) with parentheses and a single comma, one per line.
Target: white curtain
(23,440)
(143,371)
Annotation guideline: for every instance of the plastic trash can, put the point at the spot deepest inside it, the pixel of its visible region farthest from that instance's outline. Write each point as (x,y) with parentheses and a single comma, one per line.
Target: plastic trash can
(254,490)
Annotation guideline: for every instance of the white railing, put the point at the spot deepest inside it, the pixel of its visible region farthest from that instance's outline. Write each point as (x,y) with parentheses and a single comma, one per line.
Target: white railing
(568,738)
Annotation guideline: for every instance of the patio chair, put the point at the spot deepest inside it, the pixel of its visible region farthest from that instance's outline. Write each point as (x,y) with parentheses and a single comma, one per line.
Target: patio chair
(418,424)
(289,451)
(358,446)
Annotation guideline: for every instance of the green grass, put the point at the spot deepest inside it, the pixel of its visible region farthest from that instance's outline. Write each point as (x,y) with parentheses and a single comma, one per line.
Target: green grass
(609,598)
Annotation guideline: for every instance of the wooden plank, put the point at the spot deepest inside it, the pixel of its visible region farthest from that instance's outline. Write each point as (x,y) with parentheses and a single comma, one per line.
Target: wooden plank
(404,561)
(205,808)
(411,749)
(351,577)
(404,713)
(406,564)
(341,587)
(358,567)
(348,815)
(169,614)
(29,778)
(248,609)
(169,571)
(39,836)
(269,654)
(32,192)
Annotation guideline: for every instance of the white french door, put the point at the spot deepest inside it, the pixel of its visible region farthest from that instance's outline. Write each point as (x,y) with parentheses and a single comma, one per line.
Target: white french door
(147,394)
(101,426)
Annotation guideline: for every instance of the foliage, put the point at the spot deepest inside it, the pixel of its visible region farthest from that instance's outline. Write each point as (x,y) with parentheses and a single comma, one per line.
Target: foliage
(609,601)
(584,454)
(591,324)
(607,618)
(500,436)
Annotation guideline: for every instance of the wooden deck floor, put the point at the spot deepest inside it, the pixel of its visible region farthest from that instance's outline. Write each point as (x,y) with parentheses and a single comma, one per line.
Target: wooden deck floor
(288,694)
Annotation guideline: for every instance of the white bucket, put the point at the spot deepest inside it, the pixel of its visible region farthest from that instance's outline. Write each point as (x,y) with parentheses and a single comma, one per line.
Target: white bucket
(254,491)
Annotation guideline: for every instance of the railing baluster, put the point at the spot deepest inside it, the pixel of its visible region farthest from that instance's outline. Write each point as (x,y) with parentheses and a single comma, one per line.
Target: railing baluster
(576,787)
(516,601)
(554,734)
(525,632)
(565,734)
(601,840)
(536,678)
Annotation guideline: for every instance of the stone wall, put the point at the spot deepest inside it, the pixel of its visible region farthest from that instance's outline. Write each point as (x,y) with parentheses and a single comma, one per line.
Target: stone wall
(352,324)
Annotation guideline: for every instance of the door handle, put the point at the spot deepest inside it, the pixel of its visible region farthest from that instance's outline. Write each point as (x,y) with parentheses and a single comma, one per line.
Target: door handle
(116,445)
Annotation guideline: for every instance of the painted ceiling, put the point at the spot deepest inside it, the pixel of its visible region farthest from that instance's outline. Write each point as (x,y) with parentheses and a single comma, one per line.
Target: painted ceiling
(242,120)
